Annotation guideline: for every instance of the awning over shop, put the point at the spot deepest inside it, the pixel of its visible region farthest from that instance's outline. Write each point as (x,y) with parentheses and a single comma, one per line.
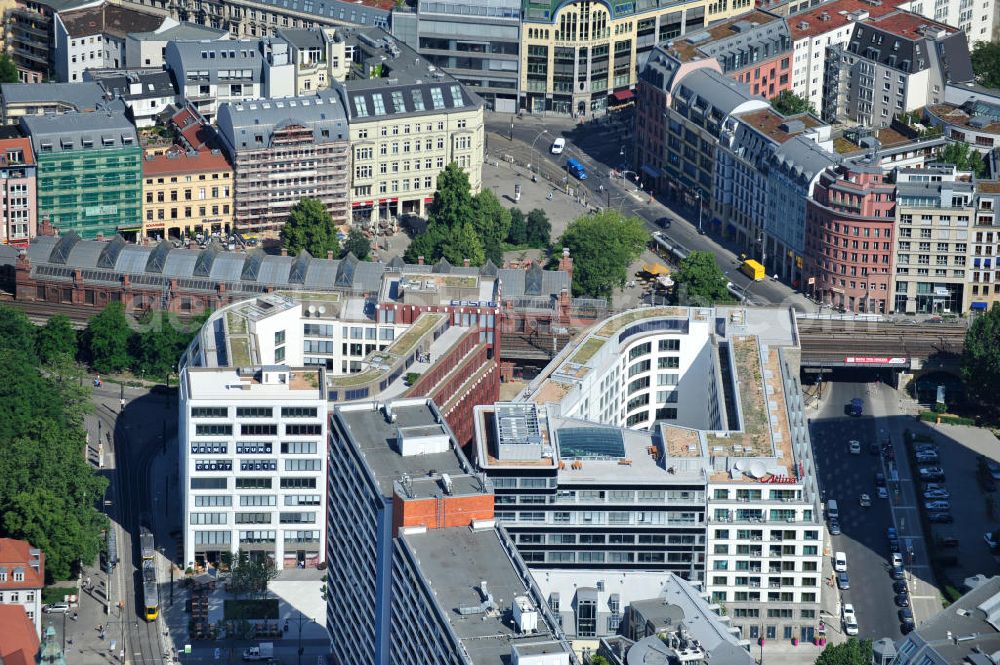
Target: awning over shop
(655,269)
(978,306)
(623,95)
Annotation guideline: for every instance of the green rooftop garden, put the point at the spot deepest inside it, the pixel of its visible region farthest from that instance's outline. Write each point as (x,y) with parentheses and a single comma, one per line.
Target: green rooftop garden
(756,436)
(311,296)
(616,324)
(235,324)
(587,350)
(399,349)
(240,350)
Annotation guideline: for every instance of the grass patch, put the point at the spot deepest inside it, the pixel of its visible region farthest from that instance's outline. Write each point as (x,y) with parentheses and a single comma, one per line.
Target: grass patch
(236,610)
(236,324)
(587,350)
(616,324)
(241,352)
(55,594)
(945,419)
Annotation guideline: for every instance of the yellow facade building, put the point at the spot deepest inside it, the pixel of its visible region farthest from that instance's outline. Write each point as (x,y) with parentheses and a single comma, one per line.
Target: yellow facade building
(186,193)
(582,56)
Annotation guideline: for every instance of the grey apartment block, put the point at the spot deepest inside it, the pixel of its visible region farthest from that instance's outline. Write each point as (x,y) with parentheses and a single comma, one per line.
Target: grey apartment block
(476,42)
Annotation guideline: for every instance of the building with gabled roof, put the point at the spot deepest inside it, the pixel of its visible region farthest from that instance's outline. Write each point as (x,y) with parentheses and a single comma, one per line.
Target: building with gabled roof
(94,37)
(22,576)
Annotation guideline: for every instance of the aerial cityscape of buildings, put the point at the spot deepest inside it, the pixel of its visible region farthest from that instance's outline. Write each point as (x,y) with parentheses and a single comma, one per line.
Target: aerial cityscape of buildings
(464,456)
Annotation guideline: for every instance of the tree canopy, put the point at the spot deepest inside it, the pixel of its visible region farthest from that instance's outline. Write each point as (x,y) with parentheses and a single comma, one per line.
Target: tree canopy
(357,243)
(8,70)
(603,245)
(986,63)
(492,224)
(49,493)
(538,229)
(788,103)
(964,157)
(851,652)
(311,228)
(56,340)
(700,281)
(106,339)
(981,356)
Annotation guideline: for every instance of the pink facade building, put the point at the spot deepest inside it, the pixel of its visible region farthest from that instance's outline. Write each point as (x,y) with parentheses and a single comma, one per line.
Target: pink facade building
(849,238)
(18,214)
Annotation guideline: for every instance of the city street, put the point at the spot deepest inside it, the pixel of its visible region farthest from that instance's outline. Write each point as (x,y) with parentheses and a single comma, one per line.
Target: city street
(844,477)
(599,146)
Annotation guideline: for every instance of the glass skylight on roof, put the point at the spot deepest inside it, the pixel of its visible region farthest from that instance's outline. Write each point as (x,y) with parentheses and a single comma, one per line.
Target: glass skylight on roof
(418,100)
(397,101)
(379,104)
(456,96)
(590,443)
(361,106)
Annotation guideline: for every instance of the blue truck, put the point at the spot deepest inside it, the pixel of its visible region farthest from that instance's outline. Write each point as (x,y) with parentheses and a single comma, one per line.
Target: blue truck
(856,407)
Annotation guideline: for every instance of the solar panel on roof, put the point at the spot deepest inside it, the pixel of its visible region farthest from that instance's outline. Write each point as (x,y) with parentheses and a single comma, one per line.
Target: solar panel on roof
(591,443)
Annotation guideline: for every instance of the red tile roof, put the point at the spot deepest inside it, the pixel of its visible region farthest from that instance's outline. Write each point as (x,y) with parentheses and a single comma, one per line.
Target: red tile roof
(178,163)
(833,15)
(22,144)
(18,639)
(907,25)
(16,554)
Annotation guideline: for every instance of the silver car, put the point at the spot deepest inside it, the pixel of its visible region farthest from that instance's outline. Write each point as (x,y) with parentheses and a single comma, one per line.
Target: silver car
(937,505)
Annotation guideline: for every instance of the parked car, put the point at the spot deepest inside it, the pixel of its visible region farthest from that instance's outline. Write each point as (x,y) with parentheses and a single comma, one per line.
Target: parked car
(56,608)
(906,618)
(843,581)
(883,493)
(902,600)
(873,448)
(558,146)
(834,528)
(898,573)
(890,533)
(663,222)
(897,559)
(937,505)
(840,562)
(927,458)
(937,494)
(855,447)
(850,619)
(942,517)
(951,541)
(879,479)
(900,587)
(934,473)
(990,540)
(935,486)
(921,447)
(865,501)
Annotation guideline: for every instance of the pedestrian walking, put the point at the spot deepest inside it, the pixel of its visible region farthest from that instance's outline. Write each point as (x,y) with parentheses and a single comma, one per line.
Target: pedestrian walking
(88,583)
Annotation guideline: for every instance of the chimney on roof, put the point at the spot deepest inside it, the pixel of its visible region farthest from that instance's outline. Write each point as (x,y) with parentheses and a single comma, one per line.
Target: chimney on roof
(45,229)
(329,255)
(465,262)
(100,236)
(566,262)
(284,252)
(420,260)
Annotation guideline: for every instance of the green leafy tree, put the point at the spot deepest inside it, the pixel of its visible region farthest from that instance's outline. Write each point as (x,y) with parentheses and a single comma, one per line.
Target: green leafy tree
(428,244)
(250,575)
(701,280)
(599,660)
(964,157)
(160,342)
(851,652)
(8,70)
(56,339)
(539,229)
(518,234)
(106,339)
(603,245)
(788,103)
(311,228)
(986,63)
(464,244)
(16,331)
(357,243)
(492,224)
(452,206)
(981,357)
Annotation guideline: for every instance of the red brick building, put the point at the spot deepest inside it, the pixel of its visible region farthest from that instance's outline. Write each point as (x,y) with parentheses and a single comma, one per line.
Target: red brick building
(849,238)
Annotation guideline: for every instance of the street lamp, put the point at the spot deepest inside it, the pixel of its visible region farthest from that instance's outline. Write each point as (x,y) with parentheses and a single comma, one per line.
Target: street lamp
(533,152)
(697,198)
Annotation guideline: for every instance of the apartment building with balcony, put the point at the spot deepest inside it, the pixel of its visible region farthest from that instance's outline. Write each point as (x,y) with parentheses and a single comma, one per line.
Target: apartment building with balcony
(30,35)
(975,122)
(477,43)
(148,49)
(186,192)
(20,99)
(893,63)
(209,74)
(408,120)
(580,57)
(283,150)
(754,48)
(19,214)
(320,56)
(850,236)
(22,576)
(89,171)
(982,291)
(935,209)
(669,439)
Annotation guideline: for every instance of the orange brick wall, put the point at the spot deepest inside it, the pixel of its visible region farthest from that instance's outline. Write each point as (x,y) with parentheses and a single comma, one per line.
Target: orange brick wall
(458,511)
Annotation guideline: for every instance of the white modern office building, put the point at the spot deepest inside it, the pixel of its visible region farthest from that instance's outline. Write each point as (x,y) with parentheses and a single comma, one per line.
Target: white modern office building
(253,463)
(671,439)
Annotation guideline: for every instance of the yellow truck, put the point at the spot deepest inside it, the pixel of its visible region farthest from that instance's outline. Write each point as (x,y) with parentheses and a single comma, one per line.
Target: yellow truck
(753,270)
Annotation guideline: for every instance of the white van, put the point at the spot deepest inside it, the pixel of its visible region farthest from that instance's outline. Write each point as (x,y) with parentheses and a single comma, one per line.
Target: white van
(831,510)
(840,562)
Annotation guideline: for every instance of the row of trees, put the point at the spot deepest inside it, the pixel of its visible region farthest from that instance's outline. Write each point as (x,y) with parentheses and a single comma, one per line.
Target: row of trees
(49,494)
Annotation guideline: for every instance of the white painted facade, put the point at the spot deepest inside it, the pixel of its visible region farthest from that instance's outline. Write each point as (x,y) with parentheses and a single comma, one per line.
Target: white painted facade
(975,17)
(810,55)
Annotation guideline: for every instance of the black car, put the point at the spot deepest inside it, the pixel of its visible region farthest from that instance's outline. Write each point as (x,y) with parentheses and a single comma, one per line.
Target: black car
(902,600)
(879,479)
(894,545)
(940,518)
(899,587)
(905,616)
(906,628)
(663,222)
(949,542)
